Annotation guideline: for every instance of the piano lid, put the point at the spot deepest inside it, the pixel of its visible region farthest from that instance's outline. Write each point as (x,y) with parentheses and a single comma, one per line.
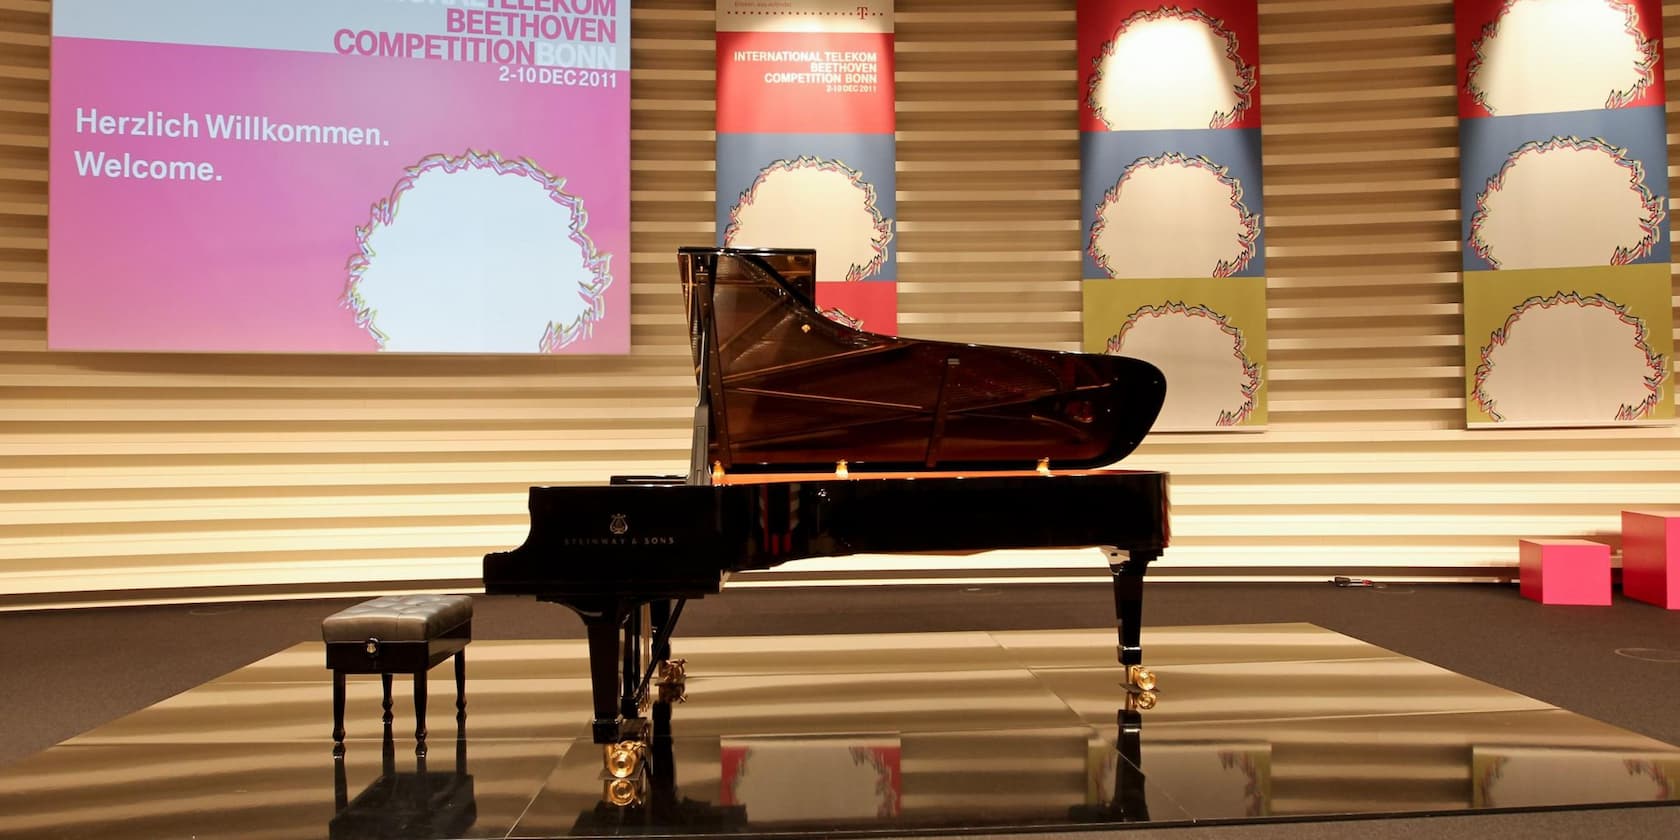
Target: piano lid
(784,388)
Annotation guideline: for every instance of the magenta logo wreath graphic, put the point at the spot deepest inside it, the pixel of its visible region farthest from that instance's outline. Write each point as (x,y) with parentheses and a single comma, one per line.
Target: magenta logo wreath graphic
(1589,350)
(1200,348)
(1566,202)
(1170,68)
(477,253)
(1540,56)
(813,202)
(1173,215)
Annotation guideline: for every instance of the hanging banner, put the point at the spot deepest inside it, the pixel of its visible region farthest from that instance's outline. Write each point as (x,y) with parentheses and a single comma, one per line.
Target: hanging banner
(322,176)
(1568,317)
(1173,247)
(805,150)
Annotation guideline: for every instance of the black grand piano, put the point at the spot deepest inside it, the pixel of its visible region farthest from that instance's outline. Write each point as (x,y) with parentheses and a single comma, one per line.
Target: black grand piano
(816,439)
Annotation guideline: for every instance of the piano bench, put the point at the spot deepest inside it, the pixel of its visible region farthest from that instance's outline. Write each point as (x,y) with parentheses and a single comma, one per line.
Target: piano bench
(398,634)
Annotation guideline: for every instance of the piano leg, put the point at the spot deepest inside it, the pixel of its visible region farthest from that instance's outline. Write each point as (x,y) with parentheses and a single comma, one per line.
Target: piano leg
(1126,801)
(627,643)
(603,628)
(1129,803)
(662,763)
(1127,569)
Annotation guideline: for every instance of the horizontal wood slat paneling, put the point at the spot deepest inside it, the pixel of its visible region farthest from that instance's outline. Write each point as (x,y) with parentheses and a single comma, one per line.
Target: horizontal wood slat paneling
(126,472)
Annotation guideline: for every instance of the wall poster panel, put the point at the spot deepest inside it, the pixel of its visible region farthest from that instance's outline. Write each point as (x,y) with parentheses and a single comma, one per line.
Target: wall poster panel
(805,151)
(327,177)
(1564,210)
(1174,250)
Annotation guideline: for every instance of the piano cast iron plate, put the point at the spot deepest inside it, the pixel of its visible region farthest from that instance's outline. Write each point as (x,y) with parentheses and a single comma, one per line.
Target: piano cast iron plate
(882,733)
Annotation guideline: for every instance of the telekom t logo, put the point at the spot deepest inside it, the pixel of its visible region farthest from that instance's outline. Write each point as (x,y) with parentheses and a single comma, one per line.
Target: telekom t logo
(862,12)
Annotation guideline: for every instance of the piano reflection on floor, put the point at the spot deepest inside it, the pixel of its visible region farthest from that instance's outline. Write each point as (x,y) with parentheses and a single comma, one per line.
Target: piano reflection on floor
(854,781)
(815,439)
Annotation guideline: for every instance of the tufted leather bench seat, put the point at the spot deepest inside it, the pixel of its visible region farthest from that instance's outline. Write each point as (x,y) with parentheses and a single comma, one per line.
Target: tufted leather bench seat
(398,634)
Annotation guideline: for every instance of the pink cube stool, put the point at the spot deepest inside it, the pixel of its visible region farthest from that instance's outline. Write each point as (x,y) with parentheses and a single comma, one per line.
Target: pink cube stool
(1564,571)
(1651,557)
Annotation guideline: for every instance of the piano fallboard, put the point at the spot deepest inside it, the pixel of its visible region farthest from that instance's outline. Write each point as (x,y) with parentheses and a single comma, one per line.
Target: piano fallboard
(680,540)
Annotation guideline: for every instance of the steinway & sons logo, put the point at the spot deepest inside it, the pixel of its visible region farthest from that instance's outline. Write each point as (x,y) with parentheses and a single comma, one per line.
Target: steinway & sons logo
(619,527)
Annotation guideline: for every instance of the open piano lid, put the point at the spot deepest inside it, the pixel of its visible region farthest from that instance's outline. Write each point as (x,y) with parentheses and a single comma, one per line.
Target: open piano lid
(784,388)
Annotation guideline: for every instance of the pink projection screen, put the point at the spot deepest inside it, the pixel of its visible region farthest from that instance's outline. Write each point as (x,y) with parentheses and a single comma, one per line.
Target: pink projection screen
(340,176)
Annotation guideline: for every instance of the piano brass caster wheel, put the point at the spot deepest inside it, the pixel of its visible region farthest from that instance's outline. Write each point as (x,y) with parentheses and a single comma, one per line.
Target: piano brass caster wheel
(623,793)
(625,758)
(1141,677)
(671,670)
(1141,701)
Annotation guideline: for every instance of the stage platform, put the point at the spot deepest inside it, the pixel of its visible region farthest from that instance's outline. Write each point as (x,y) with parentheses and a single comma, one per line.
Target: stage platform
(878,733)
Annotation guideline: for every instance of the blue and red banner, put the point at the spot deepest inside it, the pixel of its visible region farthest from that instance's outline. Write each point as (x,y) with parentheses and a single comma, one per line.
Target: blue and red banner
(805,150)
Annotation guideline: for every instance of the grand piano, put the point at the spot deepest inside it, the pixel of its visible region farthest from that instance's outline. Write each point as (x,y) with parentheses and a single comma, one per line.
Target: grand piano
(813,438)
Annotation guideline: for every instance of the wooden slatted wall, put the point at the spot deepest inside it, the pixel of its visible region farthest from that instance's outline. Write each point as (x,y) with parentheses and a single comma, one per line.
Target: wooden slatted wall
(125,476)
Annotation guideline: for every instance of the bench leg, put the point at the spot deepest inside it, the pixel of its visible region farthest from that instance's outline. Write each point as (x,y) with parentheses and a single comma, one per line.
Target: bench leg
(341,787)
(419,712)
(338,714)
(461,685)
(385,680)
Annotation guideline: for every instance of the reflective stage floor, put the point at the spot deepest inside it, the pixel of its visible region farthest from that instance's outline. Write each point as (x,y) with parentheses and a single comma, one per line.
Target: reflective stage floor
(890,733)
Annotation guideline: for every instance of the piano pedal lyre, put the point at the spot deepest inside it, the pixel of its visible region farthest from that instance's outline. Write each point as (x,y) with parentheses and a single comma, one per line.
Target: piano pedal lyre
(840,470)
(1044,466)
(670,681)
